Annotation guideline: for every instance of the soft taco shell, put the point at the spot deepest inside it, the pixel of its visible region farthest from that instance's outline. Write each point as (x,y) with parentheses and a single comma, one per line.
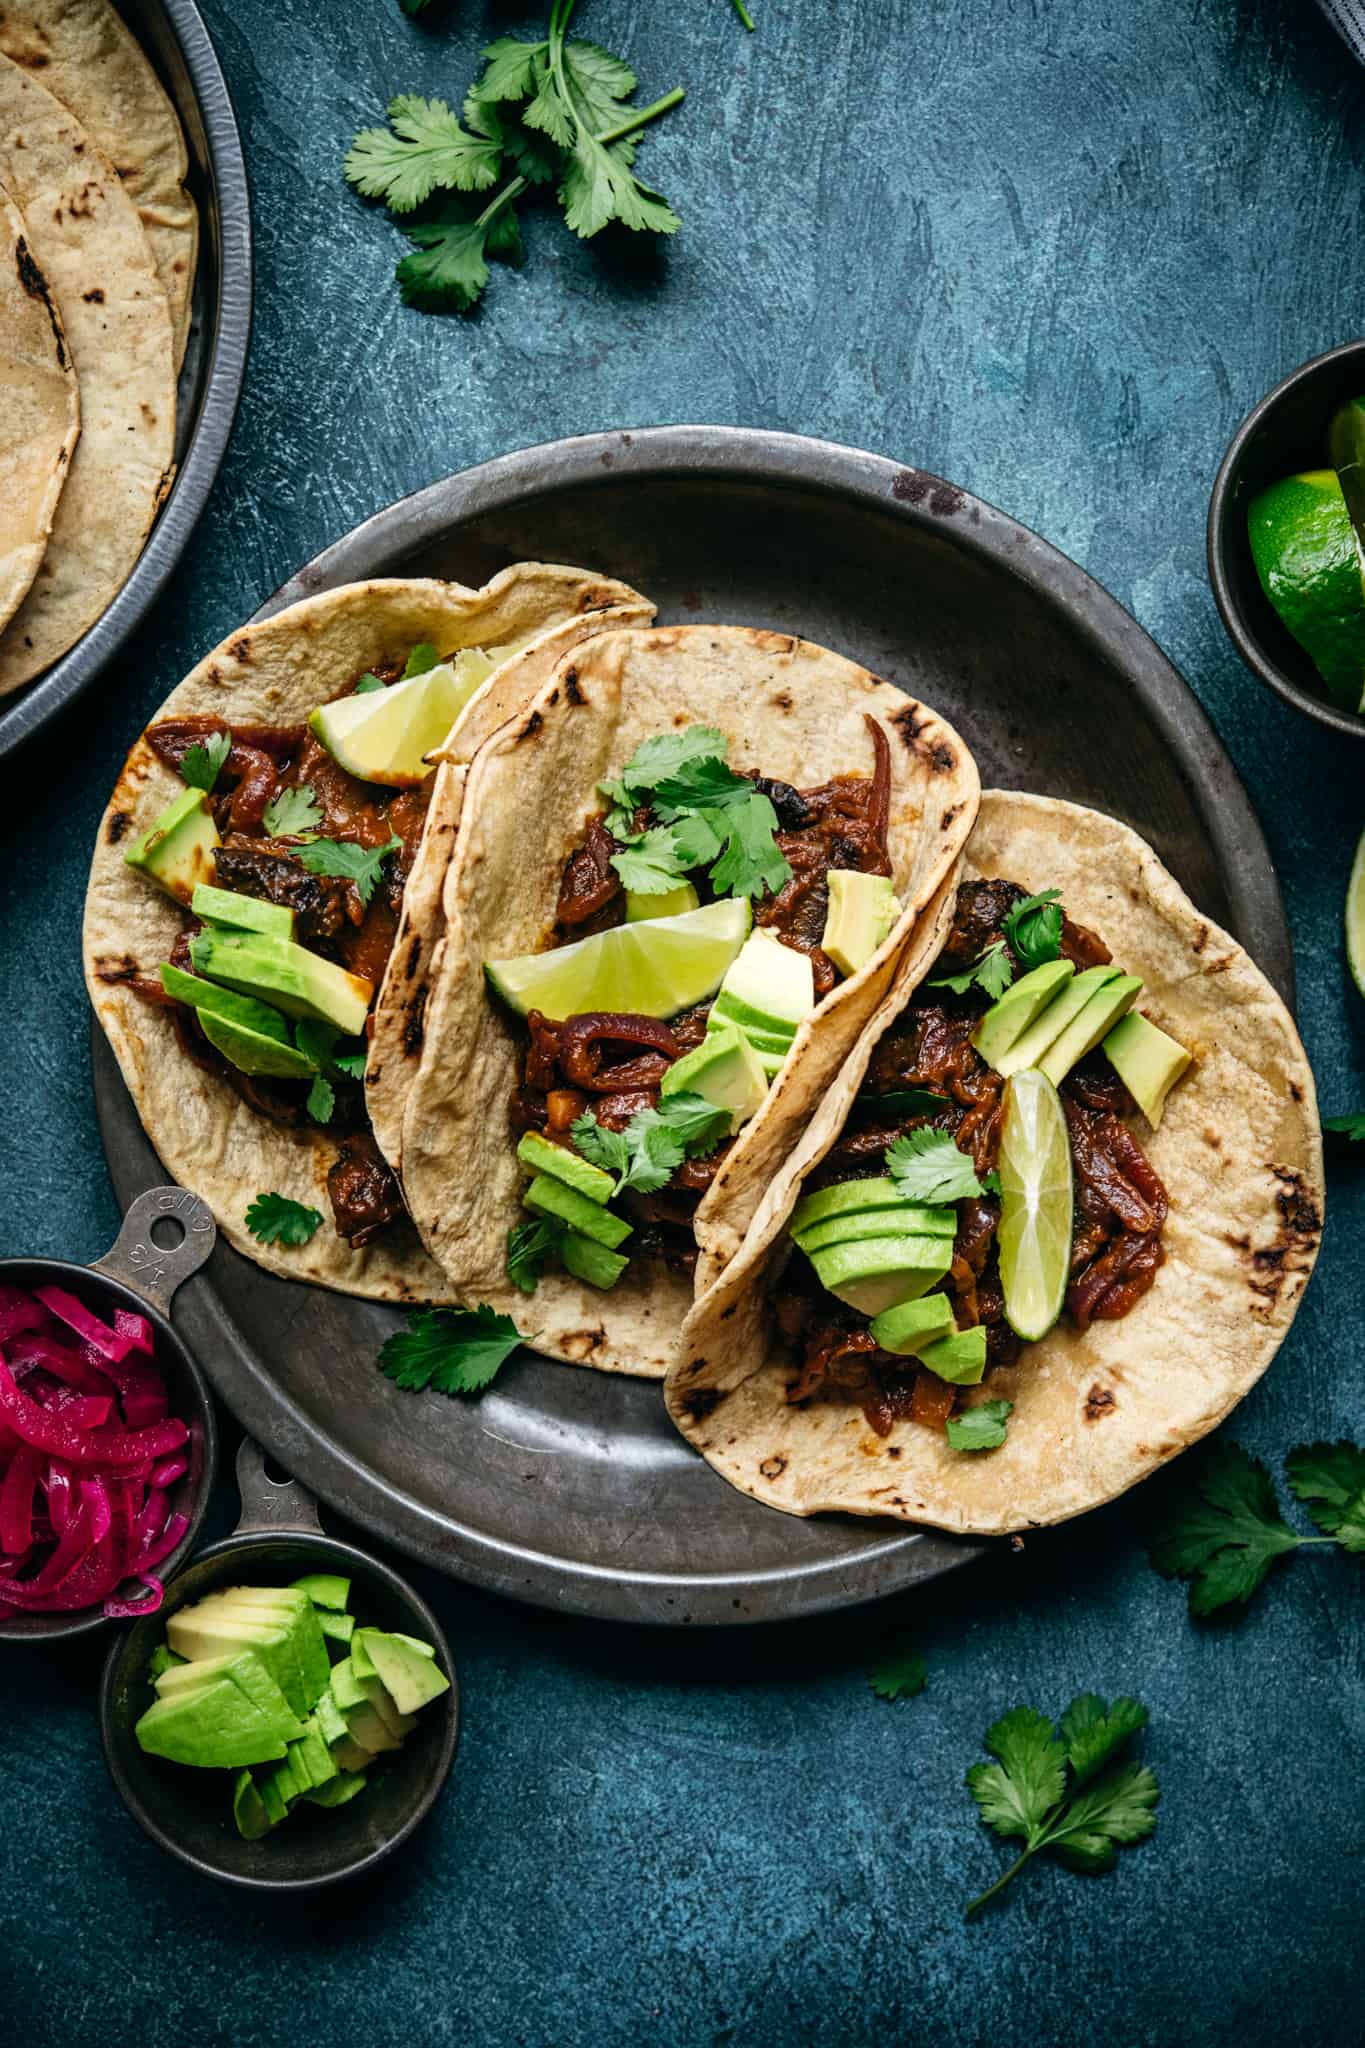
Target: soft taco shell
(40,410)
(791,710)
(275,673)
(1239,1151)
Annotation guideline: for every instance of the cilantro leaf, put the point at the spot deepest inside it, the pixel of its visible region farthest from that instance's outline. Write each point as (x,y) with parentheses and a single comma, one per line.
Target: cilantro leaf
(697,1124)
(203,761)
(1223,1532)
(276,1219)
(368,683)
(655,1153)
(1033,928)
(698,784)
(322,1099)
(1047,1789)
(928,1167)
(655,760)
(600,1146)
(651,866)
(647,1153)
(529,1245)
(342,858)
(452,247)
(292,811)
(423,150)
(699,837)
(422,658)
(899,1672)
(352,1064)
(1351,1126)
(982,1428)
(752,861)
(451,1351)
(1331,1479)
(992,972)
(509,70)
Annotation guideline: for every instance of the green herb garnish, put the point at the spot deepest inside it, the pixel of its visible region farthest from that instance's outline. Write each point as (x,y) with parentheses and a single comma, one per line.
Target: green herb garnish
(1224,1530)
(899,1672)
(1063,1791)
(647,1153)
(1351,1126)
(451,1351)
(1034,929)
(928,1167)
(276,1219)
(291,812)
(992,972)
(369,682)
(422,659)
(322,1099)
(204,760)
(983,1428)
(352,1064)
(712,818)
(351,863)
(529,1245)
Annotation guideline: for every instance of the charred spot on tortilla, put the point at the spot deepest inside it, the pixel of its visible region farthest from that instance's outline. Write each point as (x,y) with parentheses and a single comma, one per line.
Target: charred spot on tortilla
(774,1467)
(414,955)
(699,1402)
(531,727)
(1200,939)
(1099,1401)
(414,1023)
(94,297)
(240,648)
(571,689)
(726,1313)
(115,971)
(948,816)
(118,824)
(1296,1091)
(553,697)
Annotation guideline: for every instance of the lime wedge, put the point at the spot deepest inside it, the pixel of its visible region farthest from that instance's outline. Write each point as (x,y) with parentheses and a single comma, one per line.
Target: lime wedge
(1310,565)
(655,967)
(382,735)
(1355,918)
(1035,1206)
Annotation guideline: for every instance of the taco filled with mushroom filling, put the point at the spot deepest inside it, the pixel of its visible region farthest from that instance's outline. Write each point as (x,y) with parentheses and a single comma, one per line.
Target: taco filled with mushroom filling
(1051,1222)
(249,880)
(682,884)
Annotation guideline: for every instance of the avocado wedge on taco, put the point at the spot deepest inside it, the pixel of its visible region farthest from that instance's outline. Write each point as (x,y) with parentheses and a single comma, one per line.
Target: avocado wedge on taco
(1050,1224)
(683,881)
(248,882)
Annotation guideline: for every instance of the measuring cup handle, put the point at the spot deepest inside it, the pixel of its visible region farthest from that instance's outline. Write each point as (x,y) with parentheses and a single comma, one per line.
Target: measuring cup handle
(142,1264)
(267,1508)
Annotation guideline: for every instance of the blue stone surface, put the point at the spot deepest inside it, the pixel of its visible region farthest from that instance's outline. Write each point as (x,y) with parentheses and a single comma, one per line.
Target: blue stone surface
(1052,249)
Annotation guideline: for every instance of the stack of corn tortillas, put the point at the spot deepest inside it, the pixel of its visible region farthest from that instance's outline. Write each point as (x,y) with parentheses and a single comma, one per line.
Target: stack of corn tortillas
(98,238)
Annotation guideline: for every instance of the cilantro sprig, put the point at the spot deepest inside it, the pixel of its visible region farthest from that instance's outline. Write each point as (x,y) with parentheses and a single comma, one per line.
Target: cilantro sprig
(928,1167)
(1224,1530)
(992,972)
(204,760)
(278,1219)
(1034,929)
(449,1351)
(712,817)
(900,1671)
(1064,1790)
(291,812)
(349,862)
(982,1428)
(529,1246)
(647,1153)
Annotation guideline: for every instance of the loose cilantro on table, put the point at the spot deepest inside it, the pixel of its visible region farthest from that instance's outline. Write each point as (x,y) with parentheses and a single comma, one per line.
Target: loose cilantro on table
(928,1167)
(992,972)
(1330,1480)
(351,863)
(542,114)
(204,760)
(655,1142)
(1064,1791)
(1350,1126)
(291,812)
(1034,929)
(983,1428)
(277,1219)
(450,1351)
(529,1245)
(899,1672)
(1224,1530)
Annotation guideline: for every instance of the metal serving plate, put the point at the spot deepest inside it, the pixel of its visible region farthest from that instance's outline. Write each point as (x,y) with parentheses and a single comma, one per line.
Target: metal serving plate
(567,1487)
(173,34)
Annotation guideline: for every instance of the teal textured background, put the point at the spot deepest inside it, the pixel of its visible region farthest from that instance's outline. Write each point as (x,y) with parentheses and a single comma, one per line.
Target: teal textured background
(1052,249)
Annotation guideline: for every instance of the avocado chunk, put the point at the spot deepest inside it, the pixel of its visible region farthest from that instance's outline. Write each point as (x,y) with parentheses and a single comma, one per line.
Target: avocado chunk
(300,983)
(723,1070)
(540,1156)
(908,1327)
(862,910)
(242,1010)
(877,1273)
(1085,1031)
(1053,1019)
(762,1037)
(281,1625)
(242,913)
(249,1809)
(251,1052)
(162,1659)
(368,1730)
(247,1673)
(901,1221)
(411,1678)
(341,1789)
(361,1665)
(271,1798)
(1009,1017)
(213,1727)
(960,1358)
(338,1628)
(285,1781)
(325,1589)
(670,903)
(591,1262)
(311,1758)
(851,1197)
(549,1197)
(1147,1061)
(177,851)
(349,1755)
(768,984)
(772,1063)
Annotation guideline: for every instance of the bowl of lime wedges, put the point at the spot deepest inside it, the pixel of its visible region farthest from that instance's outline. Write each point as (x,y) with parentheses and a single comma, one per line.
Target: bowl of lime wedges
(1286,539)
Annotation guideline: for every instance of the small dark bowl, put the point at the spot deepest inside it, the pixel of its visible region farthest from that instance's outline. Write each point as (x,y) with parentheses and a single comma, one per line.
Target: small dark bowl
(1285,433)
(189,1812)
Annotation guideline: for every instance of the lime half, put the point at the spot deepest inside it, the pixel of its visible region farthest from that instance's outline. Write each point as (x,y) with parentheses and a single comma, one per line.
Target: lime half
(654,967)
(1035,1209)
(1355,918)
(382,735)
(1310,565)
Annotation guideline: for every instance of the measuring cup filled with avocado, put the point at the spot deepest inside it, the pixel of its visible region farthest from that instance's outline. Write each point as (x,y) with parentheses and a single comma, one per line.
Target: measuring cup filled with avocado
(1307,535)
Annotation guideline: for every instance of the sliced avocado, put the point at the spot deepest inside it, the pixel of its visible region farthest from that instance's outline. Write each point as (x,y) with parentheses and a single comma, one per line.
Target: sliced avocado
(1007,1019)
(877,1273)
(368,1730)
(328,1718)
(413,1643)
(672,903)
(344,1685)
(768,984)
(213,1727)
(242,913)
(286,1781)
(338,1628)
(1085,1031)
(163,1658)
(850,1196)
(282,1628)
(325,1589)
(251,1052)
(1053,1019)
(185,1677)
(723,1070)
(361,1665)
(349,1755)
(549,1197)
(960,1358)
(762,1037)
(249,1809)
(862,910)
(772,1063)
(243,1010)
(1147,1061)
(271,1798)
(247,1672)
(901,1221)
(412,1679)
(339,1791)
(907,1328)
(177,851)
(377,1695)
(591,1262)
(300,983)
(540,1156)
(312,1757)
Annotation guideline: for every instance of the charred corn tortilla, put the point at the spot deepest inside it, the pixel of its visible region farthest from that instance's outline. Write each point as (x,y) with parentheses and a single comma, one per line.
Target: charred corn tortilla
(40,410)
(790,710)
(1240,1154)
